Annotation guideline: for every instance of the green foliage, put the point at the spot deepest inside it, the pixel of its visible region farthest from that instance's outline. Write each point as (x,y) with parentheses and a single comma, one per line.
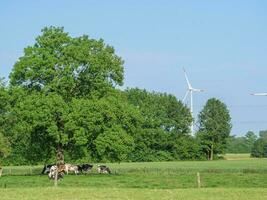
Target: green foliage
(4,100)
(263,134)
(4,106)
(214,127)
(98,120)
(52,73)
(259,148)
(250,139)
(62,97)
(4,146)
(241,144)
(186,148)
(38,125)
(114,144)
(161,111)
(69,66)
(165,128)
(237,145)
(151,145)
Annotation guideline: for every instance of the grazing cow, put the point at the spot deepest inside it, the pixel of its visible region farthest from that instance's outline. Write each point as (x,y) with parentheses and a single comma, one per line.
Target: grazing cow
(71,168)
(85,168)
(55,169)
(46,169)
(102,169)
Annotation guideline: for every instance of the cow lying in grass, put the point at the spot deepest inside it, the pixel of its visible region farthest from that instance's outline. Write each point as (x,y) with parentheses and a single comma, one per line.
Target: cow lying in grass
(71,168)
(102,169)
(66,168)
(56,169)
(47,168)
(85,168)
(78,168)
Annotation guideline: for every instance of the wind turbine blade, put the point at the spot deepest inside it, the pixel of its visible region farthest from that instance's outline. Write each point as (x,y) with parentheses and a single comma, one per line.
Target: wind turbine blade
(187,80)
(198,90)
(259,94)
(185,95)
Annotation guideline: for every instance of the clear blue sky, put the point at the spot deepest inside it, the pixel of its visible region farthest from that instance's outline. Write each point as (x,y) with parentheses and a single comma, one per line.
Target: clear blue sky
(222,45)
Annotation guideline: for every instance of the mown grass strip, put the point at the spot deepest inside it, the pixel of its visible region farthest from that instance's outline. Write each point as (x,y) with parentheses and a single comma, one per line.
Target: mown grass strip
(77,193)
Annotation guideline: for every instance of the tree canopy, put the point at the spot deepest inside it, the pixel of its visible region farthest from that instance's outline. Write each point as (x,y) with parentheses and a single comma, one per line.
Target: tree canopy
(259,148)
(214,127)
(69,66)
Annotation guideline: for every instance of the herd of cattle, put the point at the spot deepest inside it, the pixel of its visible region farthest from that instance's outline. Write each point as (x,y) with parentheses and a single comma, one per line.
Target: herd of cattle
(59,170)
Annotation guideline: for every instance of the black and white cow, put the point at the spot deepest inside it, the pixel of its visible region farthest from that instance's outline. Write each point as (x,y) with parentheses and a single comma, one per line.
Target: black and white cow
(55,169)
(85,168)
(102,169)
(71,168)
(47,168)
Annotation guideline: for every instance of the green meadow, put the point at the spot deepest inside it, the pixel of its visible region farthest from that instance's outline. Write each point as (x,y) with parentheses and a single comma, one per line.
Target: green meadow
(132,193)
(222,179)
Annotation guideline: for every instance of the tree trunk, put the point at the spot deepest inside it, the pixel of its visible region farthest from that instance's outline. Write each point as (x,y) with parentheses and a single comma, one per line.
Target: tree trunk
(60,156)
(211,152)
(60,163)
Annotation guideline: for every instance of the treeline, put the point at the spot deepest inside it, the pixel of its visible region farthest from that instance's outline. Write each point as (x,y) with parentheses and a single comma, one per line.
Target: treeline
(62,102)
(250,143)
(241,144)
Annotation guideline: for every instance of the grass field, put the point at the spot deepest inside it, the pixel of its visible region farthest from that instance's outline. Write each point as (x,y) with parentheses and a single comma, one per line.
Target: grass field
(129,194)
(241,156)
(241,178)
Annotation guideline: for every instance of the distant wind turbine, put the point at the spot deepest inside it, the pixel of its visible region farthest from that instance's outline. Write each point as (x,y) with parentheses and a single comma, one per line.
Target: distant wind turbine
(259,94)
(190,90)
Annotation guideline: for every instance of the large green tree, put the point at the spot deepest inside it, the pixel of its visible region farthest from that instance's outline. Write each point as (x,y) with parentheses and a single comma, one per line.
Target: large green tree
(55,70)
(214,127)
(251,137)
(69,66)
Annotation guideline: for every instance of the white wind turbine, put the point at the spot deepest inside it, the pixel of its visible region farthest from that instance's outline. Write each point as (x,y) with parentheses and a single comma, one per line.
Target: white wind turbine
(190,90)
(259,94)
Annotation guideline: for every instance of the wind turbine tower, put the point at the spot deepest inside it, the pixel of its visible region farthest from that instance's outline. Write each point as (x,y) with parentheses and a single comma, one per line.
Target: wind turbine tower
(190,90)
